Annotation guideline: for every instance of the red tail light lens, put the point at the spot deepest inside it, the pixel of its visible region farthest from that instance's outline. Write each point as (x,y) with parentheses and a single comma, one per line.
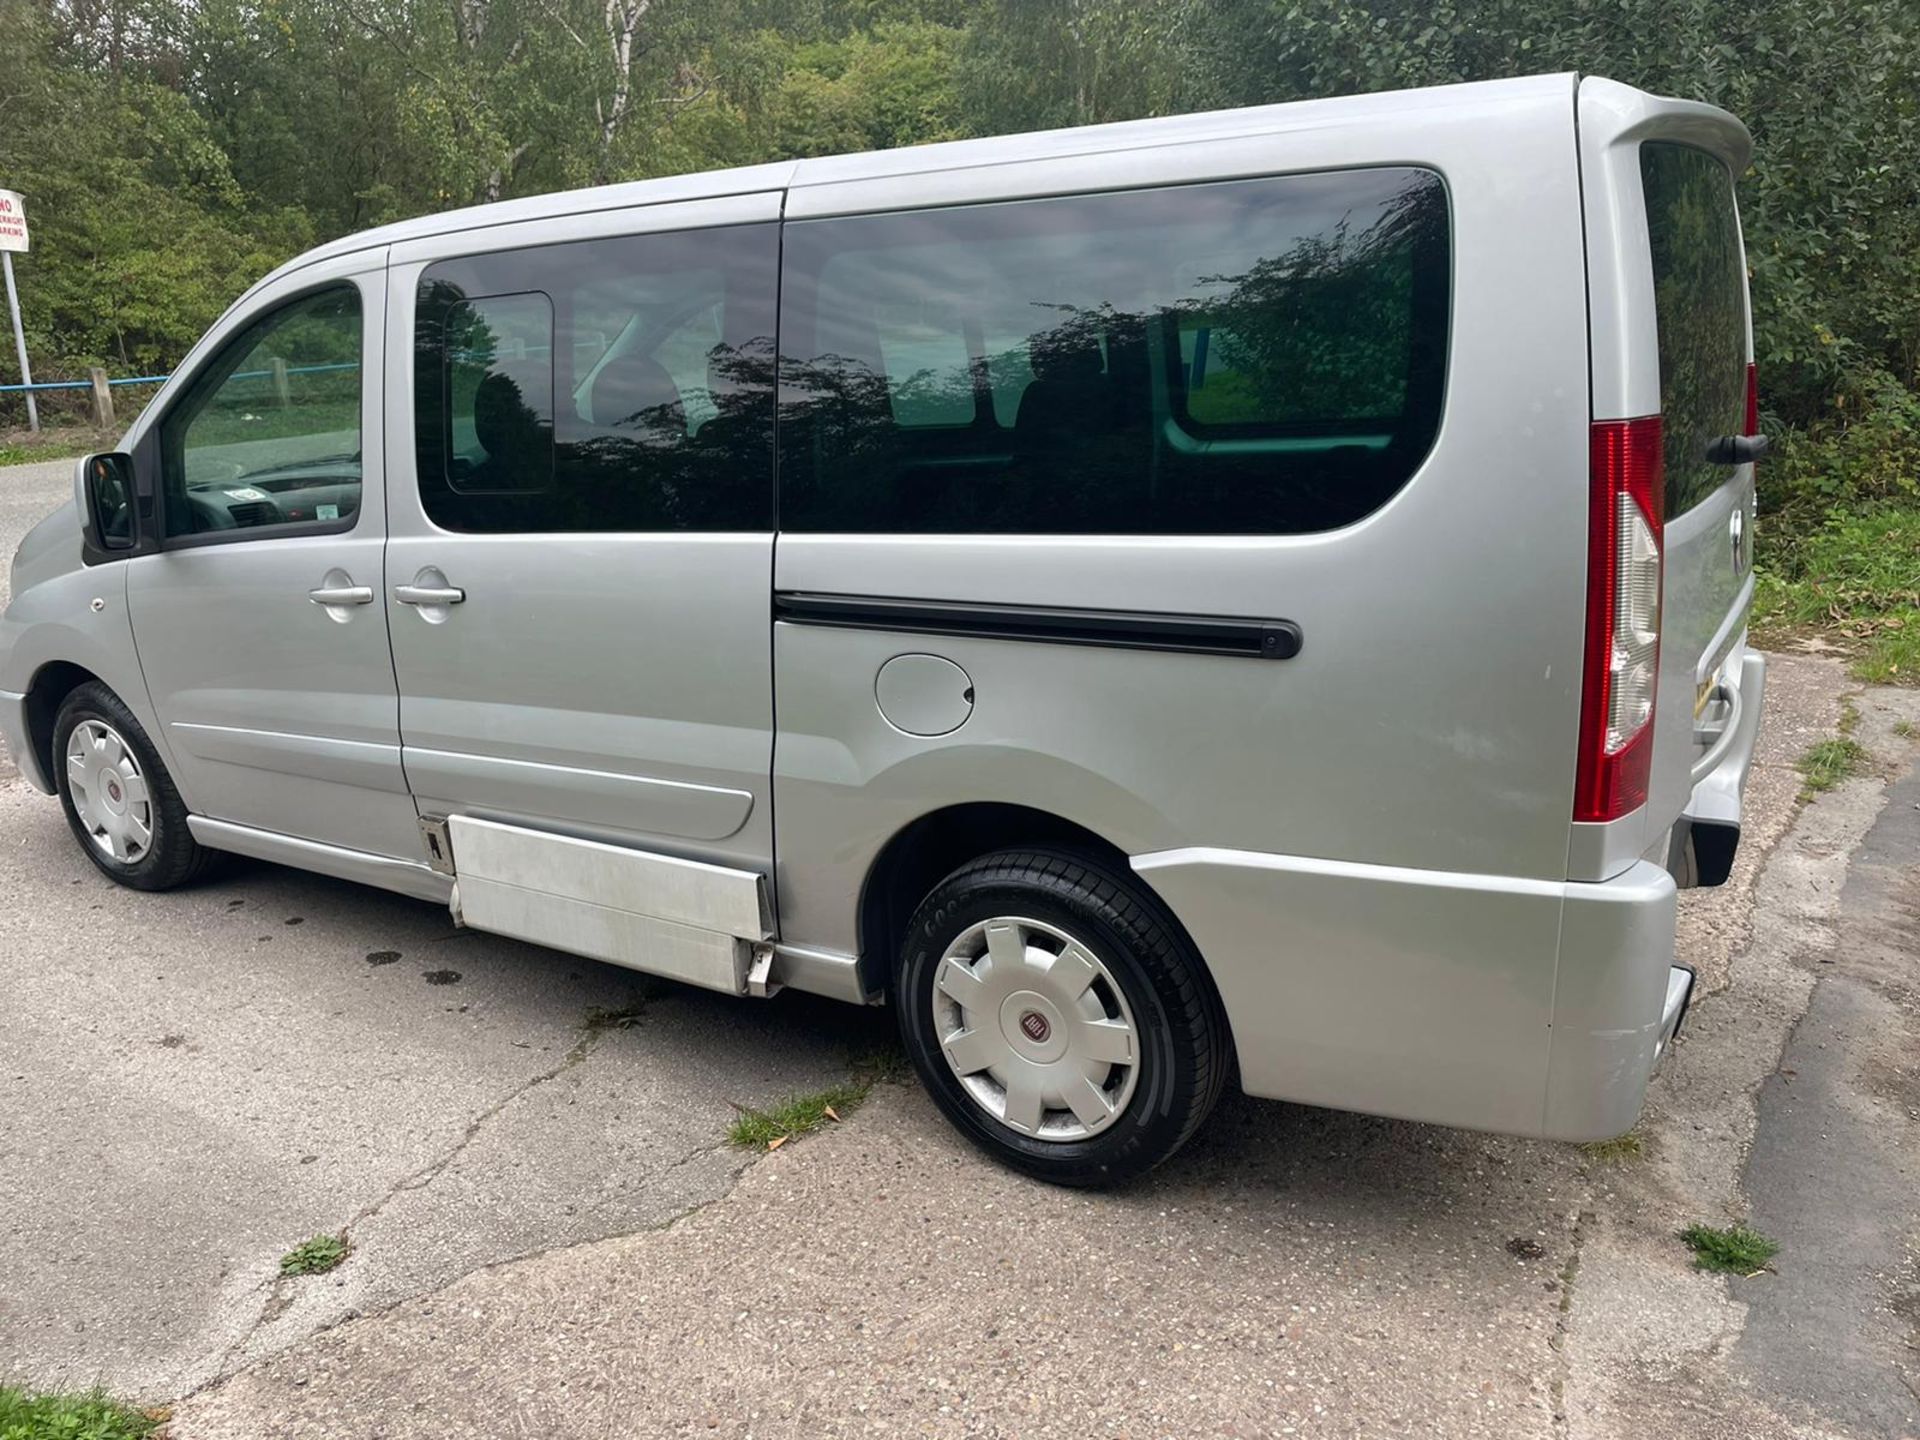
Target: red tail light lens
(1753,398)
(1625,569)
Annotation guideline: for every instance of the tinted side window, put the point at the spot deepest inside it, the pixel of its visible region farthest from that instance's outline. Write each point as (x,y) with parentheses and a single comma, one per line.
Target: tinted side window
(268,438)
(1250,357)
(622,384)
(1700,305)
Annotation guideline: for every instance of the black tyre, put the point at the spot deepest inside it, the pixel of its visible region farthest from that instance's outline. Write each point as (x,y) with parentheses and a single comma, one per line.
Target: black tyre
(119,799)
(1059,1017)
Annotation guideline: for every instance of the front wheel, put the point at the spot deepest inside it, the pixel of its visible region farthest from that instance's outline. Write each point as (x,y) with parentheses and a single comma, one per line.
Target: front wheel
(119,799)
(1059,1018)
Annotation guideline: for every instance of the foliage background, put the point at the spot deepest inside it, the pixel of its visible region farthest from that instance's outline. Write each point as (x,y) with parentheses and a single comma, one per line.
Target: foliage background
(173,150)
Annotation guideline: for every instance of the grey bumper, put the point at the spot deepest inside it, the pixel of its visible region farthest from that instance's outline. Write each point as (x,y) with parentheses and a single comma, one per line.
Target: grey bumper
(13,730)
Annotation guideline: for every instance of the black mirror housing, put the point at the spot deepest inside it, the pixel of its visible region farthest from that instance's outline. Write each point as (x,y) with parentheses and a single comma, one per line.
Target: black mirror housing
(110,515)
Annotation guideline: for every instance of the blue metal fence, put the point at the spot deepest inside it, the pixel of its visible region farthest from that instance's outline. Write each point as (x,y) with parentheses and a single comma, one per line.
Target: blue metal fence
(162,379)
(85,384)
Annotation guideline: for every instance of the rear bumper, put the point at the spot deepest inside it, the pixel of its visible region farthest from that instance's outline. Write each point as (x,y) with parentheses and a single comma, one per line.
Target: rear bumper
(13,730)
(1531,1007)
(1674,1013)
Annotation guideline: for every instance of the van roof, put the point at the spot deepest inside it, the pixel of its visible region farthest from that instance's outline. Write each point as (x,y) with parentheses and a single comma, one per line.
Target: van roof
(1215,125)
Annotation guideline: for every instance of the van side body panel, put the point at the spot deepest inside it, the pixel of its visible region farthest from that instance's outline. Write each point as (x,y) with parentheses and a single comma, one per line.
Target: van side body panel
(1424,731)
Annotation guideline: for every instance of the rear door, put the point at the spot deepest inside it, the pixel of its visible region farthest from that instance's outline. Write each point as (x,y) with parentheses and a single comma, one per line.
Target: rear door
(1670,336)
(582,526)
(1700,309)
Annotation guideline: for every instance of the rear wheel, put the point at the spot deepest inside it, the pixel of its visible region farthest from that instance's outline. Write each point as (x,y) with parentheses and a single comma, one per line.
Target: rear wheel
(1059,1018)
(119,799)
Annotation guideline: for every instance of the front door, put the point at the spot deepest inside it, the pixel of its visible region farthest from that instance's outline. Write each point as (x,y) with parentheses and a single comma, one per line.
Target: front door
(258,622)
(581,522)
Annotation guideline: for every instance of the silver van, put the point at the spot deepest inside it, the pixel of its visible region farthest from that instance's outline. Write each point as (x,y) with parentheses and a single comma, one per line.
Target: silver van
(1257,595)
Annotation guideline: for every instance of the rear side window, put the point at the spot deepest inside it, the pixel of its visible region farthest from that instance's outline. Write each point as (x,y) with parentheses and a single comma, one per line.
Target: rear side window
(1700,306)
(1250,357)
(606,385)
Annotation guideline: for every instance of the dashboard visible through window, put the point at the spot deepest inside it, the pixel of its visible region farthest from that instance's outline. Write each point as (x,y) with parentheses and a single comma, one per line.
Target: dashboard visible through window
(268,437)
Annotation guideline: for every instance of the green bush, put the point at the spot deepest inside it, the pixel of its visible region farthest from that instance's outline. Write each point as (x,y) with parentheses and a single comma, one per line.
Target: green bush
(1864,453)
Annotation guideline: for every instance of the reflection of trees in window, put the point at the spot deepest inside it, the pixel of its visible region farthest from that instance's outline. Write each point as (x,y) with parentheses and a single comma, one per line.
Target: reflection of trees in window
(1700,305)
(586,385)
(471,338)
(1325,331)
(1334,347)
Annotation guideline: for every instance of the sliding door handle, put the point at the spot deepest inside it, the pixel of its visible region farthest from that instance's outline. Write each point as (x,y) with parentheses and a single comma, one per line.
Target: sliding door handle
(429,594)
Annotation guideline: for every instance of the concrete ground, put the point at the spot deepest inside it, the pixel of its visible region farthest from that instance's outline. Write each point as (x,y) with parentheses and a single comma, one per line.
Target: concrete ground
(551,1240)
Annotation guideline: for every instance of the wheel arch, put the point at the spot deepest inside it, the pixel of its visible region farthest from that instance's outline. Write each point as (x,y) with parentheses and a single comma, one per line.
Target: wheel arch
(926,850)
(52,683)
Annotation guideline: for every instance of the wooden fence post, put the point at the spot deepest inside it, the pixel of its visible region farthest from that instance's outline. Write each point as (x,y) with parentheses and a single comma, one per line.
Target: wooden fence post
(280,390)
(102,399)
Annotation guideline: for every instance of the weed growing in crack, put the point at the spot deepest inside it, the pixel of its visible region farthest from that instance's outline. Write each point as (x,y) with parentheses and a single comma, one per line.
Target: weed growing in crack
(801,1115)
(611,1017)
(882,1065)
(625,1017)
(1618,1151)
(1735,1250)
(315,1256)
(1826,764)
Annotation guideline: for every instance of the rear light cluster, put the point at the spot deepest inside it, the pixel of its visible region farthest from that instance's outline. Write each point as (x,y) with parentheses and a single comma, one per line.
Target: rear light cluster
(1624,576)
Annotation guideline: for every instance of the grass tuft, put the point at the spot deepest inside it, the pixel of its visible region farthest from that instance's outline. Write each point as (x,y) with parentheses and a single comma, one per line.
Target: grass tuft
(882,1065)
(1734,1251)
(1906,730)
(315,1256)
(1826,764)
(26,1415)
(800,1115)
(1618,1151)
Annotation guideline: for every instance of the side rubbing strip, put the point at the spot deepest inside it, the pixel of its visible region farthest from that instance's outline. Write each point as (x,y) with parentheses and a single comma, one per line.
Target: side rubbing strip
(1116,629)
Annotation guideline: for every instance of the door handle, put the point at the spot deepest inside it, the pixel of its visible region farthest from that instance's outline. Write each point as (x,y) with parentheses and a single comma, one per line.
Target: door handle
(429,594)
(341,595)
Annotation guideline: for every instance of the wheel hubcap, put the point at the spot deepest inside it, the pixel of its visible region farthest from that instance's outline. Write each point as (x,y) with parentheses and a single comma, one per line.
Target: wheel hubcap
(1036,1029)
(109,791)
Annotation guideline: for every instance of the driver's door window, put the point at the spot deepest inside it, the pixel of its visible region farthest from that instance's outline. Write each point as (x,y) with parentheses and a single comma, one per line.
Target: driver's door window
(269,439)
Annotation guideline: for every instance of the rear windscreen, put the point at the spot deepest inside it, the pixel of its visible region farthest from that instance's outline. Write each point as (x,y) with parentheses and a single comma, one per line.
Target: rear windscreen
(1700,302)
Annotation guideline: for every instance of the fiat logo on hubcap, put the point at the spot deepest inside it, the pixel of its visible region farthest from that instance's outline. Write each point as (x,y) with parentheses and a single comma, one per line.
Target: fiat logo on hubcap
(1035,1026)
(113,790)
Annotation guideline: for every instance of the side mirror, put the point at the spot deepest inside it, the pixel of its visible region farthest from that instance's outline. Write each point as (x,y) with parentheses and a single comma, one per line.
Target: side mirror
(112,509)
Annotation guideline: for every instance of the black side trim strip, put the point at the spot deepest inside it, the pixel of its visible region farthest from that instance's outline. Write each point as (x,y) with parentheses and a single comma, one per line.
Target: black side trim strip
(1115,629)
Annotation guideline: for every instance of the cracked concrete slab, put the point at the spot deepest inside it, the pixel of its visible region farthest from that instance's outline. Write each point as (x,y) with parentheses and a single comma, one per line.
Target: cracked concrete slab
(194,1083)
(1299,1271)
